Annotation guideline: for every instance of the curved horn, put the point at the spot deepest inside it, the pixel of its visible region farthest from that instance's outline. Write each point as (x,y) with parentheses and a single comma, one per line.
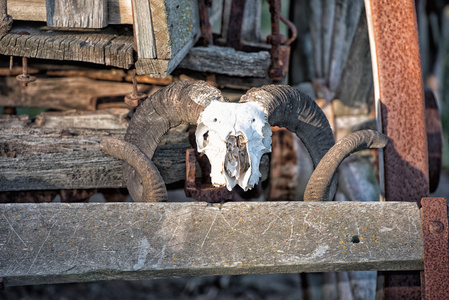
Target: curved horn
(294,110)
(152,183)
(319,185)
(180,102)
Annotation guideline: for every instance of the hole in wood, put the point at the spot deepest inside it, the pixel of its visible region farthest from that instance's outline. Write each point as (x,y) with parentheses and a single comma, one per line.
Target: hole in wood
(355,239)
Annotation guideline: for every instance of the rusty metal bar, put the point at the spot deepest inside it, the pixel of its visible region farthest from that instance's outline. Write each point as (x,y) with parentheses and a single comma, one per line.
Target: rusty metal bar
(399,97)
(435,282)
(206,28)
(399,92)
(275,39)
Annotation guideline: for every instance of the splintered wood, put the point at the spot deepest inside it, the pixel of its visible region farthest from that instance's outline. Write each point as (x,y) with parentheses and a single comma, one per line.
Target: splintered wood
(53,243)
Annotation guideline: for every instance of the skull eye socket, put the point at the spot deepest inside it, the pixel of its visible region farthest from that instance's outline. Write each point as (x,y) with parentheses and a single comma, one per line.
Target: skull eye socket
(205,138)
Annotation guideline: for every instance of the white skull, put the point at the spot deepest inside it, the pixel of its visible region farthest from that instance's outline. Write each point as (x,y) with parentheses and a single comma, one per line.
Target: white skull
(234,136)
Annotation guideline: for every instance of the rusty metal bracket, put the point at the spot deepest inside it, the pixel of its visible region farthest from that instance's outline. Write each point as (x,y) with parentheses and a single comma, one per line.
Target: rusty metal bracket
(435,278)
(276,44)
(202,191)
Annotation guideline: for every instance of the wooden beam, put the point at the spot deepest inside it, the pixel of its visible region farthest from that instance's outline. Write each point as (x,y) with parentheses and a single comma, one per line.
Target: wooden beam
(61,93)
(56,243)
(116,118)
(222,60)
(67,157)
(77,14)
(119,11)
(110,46)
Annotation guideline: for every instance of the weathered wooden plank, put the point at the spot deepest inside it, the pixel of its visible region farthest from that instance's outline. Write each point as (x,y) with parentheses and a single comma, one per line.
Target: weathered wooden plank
(143,29)
(61,93)
(227,61)
(52,243)
(161,68)
(347,15)
(110,46)
(44,159)
(71,158)
(315,23)
(77,14)
(116,118)
(175,24)
(301,55)
(119,11)
(355,98)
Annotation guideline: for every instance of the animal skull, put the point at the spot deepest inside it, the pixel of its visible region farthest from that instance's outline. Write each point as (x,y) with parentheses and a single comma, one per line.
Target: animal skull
(234,136)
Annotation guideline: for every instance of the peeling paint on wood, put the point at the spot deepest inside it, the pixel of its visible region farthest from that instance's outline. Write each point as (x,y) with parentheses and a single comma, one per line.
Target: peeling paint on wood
(52,243)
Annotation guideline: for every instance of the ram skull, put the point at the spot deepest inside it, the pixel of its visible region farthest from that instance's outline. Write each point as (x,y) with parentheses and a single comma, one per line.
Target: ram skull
(234,136)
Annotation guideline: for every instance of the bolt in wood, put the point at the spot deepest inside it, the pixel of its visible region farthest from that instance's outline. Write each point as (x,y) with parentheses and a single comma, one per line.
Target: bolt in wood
(25,78)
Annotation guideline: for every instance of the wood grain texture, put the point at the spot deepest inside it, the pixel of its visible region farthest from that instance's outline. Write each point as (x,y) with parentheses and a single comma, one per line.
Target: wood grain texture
(119,11)
(53,243)
(116,118)
(110,46)
(347,15)
(175,24)
(143,29)
(45,159)
(67,157)
(356,97)
(227,61)
(77,14)
(61,93)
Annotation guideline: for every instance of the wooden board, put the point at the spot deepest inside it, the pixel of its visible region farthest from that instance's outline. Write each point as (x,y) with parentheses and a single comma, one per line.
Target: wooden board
(143,29)
(222,60)
(49,158)
(111,46)
(119,11)
(53,243)
(77,14)
(61,93)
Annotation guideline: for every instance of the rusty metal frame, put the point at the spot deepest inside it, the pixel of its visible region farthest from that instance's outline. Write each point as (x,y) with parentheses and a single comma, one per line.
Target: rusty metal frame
(435,278)
(202,191)
(276,44)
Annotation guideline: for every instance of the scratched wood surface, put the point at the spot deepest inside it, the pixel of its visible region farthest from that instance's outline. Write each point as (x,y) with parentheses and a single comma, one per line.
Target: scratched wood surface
(50,243)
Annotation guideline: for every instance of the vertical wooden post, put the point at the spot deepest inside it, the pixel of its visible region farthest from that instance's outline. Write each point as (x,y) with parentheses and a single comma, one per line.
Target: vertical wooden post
(143,29)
